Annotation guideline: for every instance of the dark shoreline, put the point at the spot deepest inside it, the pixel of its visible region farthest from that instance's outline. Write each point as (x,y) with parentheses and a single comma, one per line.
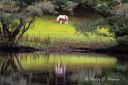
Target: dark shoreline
(15,49)
(107,50)
(20,49)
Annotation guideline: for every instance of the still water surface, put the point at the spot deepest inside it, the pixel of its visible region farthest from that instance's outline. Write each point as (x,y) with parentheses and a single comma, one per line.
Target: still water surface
(41,68)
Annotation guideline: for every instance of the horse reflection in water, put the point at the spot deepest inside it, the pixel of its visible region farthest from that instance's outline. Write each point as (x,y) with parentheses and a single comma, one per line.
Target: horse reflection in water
(60,69)
(60,74)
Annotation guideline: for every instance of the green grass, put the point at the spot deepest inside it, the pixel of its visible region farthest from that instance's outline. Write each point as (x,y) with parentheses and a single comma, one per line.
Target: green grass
(47,31)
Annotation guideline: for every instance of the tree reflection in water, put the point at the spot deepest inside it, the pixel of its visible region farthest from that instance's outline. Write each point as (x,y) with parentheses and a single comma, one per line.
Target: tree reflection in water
(9,70)
(14,72)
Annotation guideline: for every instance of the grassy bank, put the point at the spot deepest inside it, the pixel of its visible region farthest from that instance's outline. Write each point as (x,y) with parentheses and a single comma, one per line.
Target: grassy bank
(46,32)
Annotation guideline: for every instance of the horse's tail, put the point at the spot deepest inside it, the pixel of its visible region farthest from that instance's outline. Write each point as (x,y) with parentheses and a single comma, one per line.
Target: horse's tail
(57,19)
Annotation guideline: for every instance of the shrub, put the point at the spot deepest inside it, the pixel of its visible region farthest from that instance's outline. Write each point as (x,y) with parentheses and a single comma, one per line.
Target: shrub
(48,7)
(104,31)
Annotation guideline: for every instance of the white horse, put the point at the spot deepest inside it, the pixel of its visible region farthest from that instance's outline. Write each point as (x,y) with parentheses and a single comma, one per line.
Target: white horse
(62,19)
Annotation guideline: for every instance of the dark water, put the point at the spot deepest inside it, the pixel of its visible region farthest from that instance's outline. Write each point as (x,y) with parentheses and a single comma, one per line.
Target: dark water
(63,69)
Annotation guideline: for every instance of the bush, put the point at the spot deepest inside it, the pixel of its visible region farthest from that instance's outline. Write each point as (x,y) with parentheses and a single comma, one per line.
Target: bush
(88,25)
(104,31)
(123,41)
(65,6)
(48,7)
(69,6)
(119,25)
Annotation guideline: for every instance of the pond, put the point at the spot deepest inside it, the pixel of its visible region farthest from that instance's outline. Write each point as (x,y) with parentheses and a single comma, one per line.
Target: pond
(40,68)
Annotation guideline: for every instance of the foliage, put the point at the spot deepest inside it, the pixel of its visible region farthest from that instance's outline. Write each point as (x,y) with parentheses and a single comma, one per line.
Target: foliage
(69,6)
(116,17)
(16,18)
(104,31)
(65,6)
(89,25)
(119,25)
(48,7)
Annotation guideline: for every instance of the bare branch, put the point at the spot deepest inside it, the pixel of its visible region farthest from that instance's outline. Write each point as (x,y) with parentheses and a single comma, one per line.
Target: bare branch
(26,28)
(18,28)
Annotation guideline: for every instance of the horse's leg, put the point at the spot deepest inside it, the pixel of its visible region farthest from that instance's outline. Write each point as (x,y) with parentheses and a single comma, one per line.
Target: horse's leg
(61,22)
(66,22)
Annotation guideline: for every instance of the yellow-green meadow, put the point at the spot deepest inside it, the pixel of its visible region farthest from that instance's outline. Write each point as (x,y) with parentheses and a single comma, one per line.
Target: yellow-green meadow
(47,31)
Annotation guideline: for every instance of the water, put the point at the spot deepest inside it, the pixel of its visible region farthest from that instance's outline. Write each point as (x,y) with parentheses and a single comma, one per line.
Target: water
(63,69)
